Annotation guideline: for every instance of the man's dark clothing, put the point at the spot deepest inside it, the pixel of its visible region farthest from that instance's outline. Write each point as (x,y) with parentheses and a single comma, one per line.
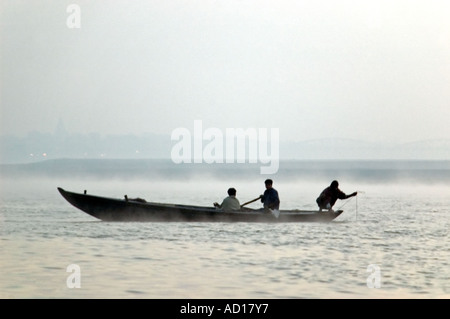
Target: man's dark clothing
(271,199)
(329,196)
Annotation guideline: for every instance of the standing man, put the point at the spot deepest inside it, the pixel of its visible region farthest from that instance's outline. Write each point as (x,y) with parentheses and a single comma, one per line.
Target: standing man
(330,195)
(270,198)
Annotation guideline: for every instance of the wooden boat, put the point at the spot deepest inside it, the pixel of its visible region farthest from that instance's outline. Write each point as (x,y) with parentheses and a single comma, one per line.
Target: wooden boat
(112,209)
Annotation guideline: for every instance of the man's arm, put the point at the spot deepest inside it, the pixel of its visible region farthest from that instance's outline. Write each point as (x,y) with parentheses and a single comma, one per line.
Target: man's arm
(348,196)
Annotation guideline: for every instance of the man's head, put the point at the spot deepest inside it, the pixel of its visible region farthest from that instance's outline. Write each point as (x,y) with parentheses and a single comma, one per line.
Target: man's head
(334,184)
(232,192)
(268,183)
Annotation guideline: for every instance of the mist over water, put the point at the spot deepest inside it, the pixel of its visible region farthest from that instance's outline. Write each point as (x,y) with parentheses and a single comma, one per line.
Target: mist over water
(399,222)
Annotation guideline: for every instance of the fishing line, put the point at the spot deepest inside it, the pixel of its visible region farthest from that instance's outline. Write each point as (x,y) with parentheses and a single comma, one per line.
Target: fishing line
(356,211)
(348,200)
(345,203)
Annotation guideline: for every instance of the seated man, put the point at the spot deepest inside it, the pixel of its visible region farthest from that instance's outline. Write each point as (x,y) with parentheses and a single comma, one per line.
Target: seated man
(230,203)
(270,199)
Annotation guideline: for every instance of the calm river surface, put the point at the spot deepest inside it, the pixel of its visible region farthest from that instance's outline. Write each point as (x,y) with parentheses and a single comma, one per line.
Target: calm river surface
(390,242)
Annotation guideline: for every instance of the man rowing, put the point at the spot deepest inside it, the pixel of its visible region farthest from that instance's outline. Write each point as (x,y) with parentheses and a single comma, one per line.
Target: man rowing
(270,199)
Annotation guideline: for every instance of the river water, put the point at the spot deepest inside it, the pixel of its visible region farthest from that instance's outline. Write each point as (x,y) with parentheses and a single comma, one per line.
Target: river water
(391,242)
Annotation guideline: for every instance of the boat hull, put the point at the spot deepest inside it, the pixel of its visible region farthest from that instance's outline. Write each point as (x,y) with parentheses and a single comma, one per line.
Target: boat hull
(111,209)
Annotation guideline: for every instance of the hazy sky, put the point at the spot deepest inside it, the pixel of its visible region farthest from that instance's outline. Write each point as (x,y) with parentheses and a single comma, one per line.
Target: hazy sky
(370,70)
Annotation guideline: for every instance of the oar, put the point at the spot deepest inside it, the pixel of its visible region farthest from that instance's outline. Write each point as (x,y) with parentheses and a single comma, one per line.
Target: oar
(253,200)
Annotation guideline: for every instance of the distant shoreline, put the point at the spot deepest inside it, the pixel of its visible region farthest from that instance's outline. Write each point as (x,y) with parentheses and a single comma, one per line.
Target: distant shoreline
(361,170)
(38,147)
